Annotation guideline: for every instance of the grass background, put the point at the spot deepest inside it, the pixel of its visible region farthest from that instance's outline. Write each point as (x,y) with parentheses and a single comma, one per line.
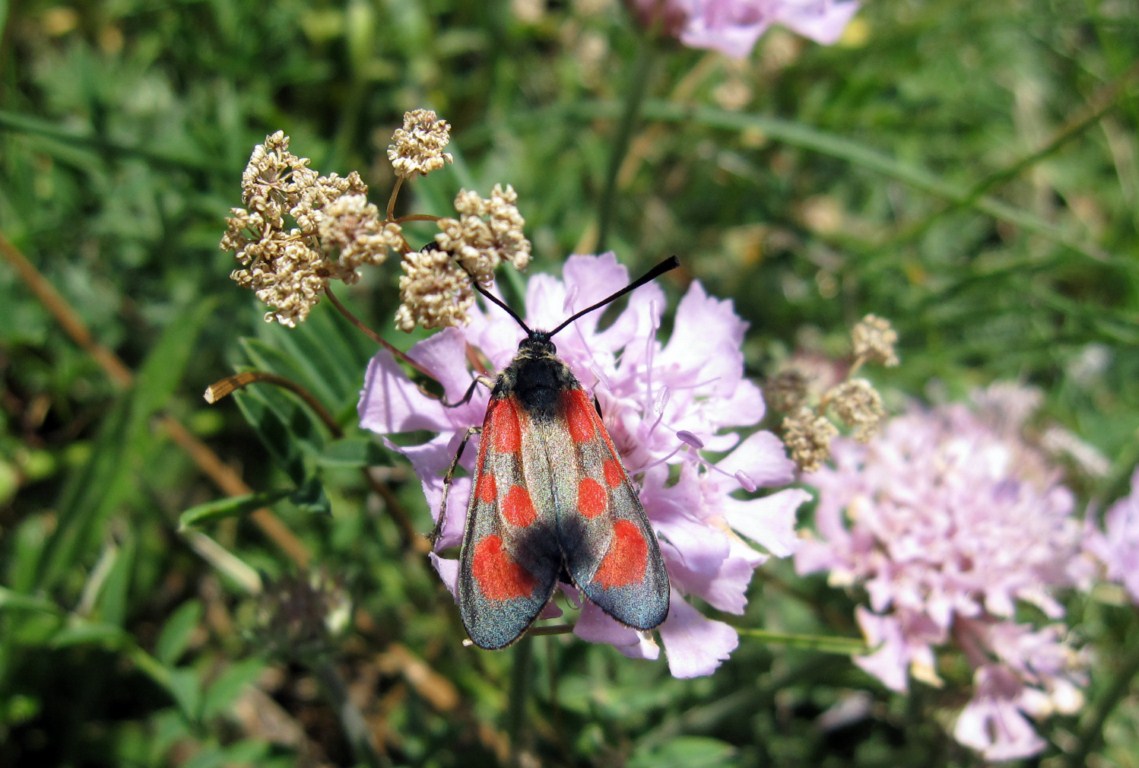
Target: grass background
(966,168)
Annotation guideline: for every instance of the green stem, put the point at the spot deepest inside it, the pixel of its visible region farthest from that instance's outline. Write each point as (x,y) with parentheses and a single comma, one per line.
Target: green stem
(630,117)
(1092,734)
(520,688)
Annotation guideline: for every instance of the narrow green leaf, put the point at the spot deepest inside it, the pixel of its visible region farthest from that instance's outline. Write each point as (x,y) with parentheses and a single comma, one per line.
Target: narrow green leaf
(122,445)
(90,494)
(233,506)
(113,596)
(311,498)
(176,632)
(354,452)
(221,694)
(13,601)
(283,427)
(165,367)
(843,646)
(182,685)
(90,633)
(684,751)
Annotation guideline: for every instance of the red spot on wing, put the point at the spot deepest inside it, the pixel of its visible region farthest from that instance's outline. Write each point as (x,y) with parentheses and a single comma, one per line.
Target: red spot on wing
(517,507)
(504,429)
(614,472)
(579,416)
(625,562)
(487,489)
(498,575)
(592,499)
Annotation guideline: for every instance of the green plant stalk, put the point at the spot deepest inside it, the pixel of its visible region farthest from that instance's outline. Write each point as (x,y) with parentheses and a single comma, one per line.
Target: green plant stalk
(1091,735)
(630,117)
(520,691)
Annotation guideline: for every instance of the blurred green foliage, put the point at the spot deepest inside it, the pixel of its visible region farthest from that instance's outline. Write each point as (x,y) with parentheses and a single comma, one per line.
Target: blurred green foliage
(967,169)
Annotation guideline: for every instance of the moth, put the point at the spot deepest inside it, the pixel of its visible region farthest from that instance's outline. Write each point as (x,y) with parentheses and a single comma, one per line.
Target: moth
(551,501)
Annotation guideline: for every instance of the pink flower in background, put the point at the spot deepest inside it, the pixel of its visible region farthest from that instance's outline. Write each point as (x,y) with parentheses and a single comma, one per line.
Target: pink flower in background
(949,520)
(733,26)
(664,405)
(1117,547)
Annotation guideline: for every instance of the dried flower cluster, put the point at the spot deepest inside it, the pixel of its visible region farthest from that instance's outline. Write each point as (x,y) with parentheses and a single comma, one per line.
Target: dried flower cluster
(299,230)
(486,233)
(853,401)
(947,521)
(874,339)
(418,146)
(435,290)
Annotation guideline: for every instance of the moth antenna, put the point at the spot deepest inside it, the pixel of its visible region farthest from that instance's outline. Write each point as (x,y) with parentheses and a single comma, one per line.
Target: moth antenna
(495,300)
(671,263)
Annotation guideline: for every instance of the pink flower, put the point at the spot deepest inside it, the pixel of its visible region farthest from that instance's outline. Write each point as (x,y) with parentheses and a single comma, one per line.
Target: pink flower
(947,521)
(665,407)
(733,26)
(1117,547)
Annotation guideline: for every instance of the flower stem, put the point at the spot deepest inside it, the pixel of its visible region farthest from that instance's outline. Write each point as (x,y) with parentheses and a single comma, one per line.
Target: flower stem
(630,116)
(520,690)
(398,353)
(1091,735)
(391,200)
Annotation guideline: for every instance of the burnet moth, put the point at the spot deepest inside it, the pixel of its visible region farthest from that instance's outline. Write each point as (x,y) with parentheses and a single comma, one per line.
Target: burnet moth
(551,502)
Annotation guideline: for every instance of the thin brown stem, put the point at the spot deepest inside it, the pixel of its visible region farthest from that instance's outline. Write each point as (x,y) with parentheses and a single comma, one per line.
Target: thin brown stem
(417,217)
(392,199)
(230,384)
(398,353)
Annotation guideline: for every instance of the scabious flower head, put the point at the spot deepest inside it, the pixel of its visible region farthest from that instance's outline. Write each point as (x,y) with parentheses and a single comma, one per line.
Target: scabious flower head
(299,230)
(733,26)
(661,402)
(418,146)
(1117,546)
(948,520)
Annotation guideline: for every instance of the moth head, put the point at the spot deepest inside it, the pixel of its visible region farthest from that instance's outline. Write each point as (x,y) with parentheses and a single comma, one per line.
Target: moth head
(534,339)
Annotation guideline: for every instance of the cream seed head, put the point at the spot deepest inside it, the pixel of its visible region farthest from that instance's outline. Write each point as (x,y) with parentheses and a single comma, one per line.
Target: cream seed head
(300,229)
(808,436)
(859,406)
(351,230)
(486,233)
(874,340)
(434,291)
(418,146)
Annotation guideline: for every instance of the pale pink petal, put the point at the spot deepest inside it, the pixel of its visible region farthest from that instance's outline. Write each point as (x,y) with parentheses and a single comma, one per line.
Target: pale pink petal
(390,403)
(695,645)
(448,571)
(595,626)
(821,20)
(889,661)
(769,521)
(762,458)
